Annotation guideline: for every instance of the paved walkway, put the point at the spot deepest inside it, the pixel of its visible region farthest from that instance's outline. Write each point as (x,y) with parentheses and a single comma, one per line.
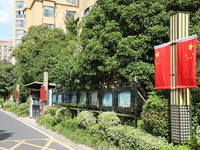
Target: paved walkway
(57,137)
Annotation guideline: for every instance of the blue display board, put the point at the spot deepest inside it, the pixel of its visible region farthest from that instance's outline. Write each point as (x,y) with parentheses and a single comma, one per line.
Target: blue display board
(59,98)
(107,99)
(66,98)
(54,98)
(124,99)
(74,98)
(94,98)
(83,98)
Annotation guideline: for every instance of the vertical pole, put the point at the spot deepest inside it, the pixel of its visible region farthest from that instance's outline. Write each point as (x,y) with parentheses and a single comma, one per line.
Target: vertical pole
(135,103)
(17,98)
(180,114)
(45,82)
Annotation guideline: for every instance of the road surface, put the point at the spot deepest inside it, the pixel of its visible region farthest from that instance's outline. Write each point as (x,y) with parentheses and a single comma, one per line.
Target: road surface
(15,134)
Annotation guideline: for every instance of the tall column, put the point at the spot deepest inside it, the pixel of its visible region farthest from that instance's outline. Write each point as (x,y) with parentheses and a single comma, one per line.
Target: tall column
(46,83)
(180,107)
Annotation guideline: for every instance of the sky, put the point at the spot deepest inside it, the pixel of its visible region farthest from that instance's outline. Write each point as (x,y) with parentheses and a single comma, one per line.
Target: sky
(6,20)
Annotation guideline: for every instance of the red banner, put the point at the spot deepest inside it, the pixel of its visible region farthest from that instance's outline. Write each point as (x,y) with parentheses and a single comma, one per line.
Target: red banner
(42,93)
(186,62)
(162,66)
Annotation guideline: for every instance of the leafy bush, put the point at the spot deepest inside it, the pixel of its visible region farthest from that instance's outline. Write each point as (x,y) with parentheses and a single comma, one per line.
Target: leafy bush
(127,137)
(108,119)
(49,111)
(70,123)
(63,113)
(23,106)
(50,122)
(23,113)
(85,119)
(155,115)
(173,148)
(8,104)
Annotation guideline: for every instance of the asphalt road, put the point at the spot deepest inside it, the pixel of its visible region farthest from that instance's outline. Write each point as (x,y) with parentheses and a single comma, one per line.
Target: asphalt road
(15,134)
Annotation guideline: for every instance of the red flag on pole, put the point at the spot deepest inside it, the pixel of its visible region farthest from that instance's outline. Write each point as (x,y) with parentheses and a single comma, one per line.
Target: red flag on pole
(186,62)
(42,93)
(162,66)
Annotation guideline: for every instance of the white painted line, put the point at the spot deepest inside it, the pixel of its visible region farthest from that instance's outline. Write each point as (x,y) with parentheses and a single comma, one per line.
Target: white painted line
(28,124)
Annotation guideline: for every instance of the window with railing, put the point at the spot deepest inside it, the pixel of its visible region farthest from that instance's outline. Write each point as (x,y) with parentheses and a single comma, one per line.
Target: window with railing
(19,14)
(71,2)
(19,33)
(19,23)
(48,11)
(19,4)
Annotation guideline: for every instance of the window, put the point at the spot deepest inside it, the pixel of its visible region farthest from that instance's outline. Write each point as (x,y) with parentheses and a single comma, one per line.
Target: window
(49,25)
(71,2)
(19,33)
(87,10)
(17,42)
(19,4)
(19,14)
(19,23)
(48,11)
(70,14)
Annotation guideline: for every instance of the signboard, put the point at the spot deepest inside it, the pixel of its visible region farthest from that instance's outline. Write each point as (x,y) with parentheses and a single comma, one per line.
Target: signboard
(59,98)
(73,98)
(107,99)
(66,98)
(54,98)
(124,99)
(94,98)
(83,98)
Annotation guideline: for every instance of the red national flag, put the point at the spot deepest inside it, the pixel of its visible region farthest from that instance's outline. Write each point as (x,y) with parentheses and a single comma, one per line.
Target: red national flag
(186,62)
(43,93)
(162,66)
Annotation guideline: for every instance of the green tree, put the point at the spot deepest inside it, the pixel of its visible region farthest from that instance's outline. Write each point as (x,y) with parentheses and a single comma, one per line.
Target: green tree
(7,79)
(38,53)
(119,36)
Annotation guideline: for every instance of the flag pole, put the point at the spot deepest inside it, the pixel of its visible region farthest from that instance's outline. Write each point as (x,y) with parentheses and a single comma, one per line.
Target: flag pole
(180,107)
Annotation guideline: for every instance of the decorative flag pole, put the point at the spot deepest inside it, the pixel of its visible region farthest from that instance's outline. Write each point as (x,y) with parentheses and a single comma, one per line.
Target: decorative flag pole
(175,69)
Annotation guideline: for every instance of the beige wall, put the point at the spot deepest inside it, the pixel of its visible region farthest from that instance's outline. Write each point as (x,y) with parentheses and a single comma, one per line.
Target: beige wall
(82,6)
(34,13)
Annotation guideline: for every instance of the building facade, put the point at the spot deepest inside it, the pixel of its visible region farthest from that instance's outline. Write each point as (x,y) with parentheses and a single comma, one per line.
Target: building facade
(5,51)
(28,13)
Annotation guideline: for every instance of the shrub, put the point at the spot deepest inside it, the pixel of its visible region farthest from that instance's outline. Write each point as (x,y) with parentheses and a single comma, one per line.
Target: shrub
(49,111)
(155,115)
(173,148)
(70,123)
(23,106)
(23,113)
(63,113)
(85,119)
(50,122)
(8,104)
(127,137)
(108,119)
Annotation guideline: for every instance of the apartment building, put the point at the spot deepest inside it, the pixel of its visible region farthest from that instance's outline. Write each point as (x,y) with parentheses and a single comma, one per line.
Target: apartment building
(27,13)
(5,51)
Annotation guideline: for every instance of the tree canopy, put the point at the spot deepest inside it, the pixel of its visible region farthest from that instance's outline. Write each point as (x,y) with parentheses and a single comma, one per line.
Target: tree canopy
(7,79)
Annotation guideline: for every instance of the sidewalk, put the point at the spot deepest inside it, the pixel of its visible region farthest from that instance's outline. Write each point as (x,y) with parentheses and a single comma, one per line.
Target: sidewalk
(32,122)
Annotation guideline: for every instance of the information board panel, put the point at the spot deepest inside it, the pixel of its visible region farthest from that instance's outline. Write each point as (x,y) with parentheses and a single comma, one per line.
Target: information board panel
(66,98)
(107,99)
(59,98)
(94,98)
(124,99)
(54,98)
(73,98)
(82,98)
